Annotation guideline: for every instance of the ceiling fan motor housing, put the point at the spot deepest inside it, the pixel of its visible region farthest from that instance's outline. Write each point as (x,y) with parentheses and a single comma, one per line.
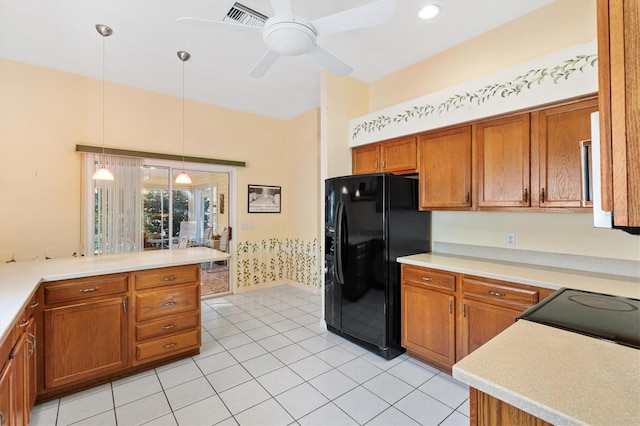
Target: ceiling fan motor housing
(288,37)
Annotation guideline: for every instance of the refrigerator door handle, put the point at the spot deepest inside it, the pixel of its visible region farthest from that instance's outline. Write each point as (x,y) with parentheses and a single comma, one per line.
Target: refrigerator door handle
(338,242)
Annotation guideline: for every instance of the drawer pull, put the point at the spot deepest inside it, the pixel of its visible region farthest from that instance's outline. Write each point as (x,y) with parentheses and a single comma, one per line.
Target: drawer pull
(168,327)
(24,323)
(495,293)
(169,304)
(89,290)
(426,278)
(450,306)
(33,305)
(169,345)
(171,278)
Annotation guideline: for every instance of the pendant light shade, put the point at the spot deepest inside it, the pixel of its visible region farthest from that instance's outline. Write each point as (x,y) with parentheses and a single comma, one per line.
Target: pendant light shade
(183,177)
(103,173)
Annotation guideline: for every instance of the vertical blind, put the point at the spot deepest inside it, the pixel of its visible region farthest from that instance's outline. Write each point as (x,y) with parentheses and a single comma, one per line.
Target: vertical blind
(118,206)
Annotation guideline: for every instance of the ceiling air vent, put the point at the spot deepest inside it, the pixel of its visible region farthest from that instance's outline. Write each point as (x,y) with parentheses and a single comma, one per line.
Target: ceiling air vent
(244,15)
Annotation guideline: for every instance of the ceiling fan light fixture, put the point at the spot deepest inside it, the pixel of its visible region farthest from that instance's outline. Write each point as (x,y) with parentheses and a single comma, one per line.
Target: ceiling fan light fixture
(429,11)
(289,38)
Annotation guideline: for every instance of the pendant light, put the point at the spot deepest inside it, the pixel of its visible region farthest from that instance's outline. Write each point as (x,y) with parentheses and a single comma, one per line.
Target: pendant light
(103,173)
(183,177)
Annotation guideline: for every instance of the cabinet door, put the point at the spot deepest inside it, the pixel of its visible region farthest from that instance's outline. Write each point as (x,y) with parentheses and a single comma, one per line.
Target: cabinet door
(445,169)
(503,161)
(561,130)
(619,91)
(7,393)
(481,322)
(399,156)
(365,159)
(428,326)
(85,341)
(20,358)
(31,369)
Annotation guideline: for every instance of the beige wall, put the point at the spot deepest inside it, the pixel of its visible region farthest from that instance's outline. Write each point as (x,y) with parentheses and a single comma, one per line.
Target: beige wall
(554,27)
(559,25)
(45,113)
(302,197)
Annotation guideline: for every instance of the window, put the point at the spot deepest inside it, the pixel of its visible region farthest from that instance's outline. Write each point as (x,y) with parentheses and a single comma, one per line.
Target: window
(143,209)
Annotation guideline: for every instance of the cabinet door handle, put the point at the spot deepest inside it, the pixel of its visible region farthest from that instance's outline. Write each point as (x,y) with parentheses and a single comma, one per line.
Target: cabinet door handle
(464,310)
(450,306)
(169,304)
(34,304)
(384,164)
(170,278)
(32,347)
(542,195)
(426,278)
(2,419)
(89,290)
(525,196)
(467,198)
(124,307)
(169,345)
(495,293)
(168,327)
(376,165)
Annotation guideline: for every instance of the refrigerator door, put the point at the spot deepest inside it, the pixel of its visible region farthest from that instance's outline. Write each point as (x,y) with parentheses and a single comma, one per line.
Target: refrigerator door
(356,231)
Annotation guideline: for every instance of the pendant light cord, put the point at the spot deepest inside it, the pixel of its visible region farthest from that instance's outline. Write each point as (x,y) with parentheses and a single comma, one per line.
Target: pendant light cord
(183,115)
(103,76)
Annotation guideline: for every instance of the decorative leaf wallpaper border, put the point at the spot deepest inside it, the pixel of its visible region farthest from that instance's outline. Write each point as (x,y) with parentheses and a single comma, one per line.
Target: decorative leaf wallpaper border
(526,81)
(269,260)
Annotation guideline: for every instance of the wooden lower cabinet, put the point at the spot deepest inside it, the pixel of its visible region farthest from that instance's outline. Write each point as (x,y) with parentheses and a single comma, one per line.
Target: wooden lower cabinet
(99,328)
(8,393)
(85,341)
(428,315)
(445,316)
(482,322)
(485,410)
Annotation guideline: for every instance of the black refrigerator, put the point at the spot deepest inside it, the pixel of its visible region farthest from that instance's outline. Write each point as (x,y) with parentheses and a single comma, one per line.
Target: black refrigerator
(370,220)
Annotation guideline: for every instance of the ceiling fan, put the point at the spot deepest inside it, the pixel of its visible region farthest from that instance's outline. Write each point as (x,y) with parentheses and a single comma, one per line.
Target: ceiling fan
(289,35)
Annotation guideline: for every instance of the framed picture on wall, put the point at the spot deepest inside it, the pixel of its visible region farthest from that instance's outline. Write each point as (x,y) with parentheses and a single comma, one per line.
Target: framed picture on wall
(264,199)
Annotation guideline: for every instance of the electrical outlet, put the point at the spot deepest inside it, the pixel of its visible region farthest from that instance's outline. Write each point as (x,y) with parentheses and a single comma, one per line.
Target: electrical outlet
(511,239)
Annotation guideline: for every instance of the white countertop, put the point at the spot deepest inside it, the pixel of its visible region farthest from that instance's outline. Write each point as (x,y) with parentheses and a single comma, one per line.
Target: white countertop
(553,278)
(562,377)
(19,280)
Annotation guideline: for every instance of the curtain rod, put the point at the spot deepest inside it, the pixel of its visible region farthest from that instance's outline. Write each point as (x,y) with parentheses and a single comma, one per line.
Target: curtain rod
(157,156)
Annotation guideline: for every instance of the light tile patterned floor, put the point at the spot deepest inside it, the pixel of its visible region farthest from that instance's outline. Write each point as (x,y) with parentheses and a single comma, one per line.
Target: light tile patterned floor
(266,360)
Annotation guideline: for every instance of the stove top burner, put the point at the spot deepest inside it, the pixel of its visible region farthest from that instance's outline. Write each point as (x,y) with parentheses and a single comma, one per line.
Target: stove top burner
(597,315)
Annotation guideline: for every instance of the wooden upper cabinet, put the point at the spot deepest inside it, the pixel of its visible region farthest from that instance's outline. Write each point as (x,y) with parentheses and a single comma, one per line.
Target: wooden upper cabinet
(619,92)
(365,159)
(503,155)
(445,170)
(397,156)
(560,132)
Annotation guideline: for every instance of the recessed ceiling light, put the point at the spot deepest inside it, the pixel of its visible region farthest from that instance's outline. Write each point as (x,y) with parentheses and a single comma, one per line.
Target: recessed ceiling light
(429,11)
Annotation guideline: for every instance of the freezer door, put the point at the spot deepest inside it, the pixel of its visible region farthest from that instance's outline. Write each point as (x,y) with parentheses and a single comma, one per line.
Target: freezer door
(362,265)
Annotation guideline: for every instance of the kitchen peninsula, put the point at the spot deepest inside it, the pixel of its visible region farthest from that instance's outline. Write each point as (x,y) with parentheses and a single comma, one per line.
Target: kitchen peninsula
(67,324)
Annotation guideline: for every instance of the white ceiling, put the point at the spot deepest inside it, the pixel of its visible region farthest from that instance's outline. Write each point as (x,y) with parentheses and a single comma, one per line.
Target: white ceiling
(142,50)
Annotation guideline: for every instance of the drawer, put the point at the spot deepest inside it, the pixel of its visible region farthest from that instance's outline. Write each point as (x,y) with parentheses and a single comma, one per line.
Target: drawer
(167,326)
(85,288)
(166,276)
(429,277)
(169,301)
(167,346)
(498,293)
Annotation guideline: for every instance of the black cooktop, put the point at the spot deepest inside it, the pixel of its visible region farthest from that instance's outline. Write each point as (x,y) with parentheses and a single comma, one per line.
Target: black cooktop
(597,315)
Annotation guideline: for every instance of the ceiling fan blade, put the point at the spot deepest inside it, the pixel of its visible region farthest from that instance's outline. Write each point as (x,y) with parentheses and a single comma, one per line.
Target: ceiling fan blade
(264,64)
(369,15)
(328,61)
(282,8)
(219,25)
